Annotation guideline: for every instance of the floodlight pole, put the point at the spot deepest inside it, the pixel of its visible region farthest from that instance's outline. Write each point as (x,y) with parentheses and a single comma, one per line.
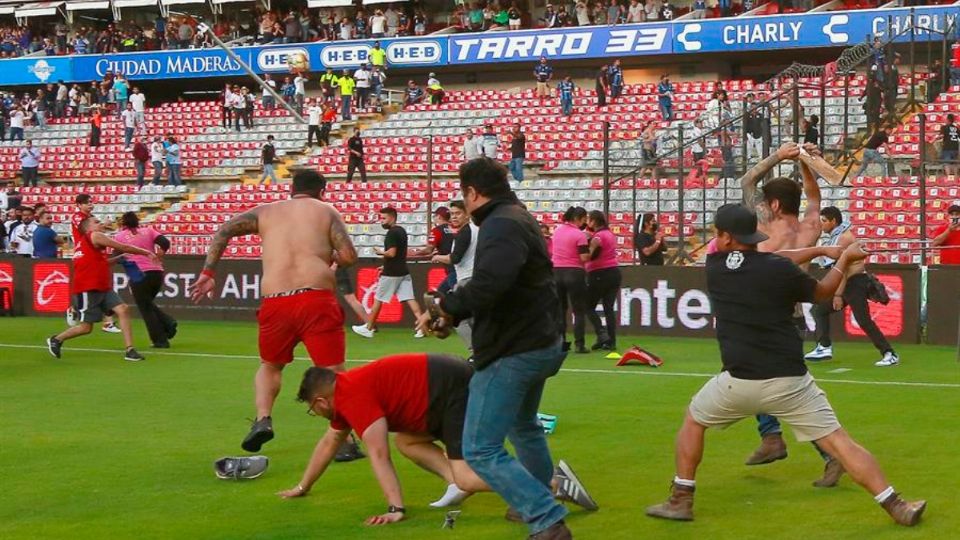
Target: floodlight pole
(202,28)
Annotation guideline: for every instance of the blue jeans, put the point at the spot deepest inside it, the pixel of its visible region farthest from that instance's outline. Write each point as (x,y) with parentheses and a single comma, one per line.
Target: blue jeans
(128,135)
(173,174)
(121,105)
(345,107)
(516,169)
(268,102)
(503,403)
(871,156)
(41,119)
(268,171)
(141,169)
(448,282)
(157,172)
(666,109)
(567,106)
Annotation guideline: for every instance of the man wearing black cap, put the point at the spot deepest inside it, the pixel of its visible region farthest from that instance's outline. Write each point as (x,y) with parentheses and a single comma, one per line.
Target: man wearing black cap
(753,294)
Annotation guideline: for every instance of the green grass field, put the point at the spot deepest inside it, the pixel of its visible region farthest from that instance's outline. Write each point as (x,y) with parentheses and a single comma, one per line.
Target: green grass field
(95,447)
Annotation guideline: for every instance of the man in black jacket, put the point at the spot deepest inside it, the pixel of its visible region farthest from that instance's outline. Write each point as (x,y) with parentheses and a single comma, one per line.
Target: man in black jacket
(513,300)
(355,153)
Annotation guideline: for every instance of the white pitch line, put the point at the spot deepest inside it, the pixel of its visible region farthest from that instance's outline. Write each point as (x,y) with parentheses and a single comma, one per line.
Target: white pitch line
(565,370)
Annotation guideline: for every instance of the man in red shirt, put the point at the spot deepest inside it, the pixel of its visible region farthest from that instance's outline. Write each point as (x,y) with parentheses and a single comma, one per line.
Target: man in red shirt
(420,397)
(92,287)
(948,235)
(84,210)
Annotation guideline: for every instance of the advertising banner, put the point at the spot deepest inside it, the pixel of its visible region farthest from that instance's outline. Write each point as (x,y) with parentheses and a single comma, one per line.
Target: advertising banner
(662,301)
(943,305)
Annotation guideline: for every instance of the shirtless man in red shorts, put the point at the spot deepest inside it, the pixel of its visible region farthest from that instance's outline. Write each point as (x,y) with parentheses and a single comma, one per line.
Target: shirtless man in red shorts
(300,239)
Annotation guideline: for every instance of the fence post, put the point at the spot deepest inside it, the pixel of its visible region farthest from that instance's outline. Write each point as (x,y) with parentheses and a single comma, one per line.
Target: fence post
(923,187)
(429,182)
(606,168)
(846,112)
(681,240)
(743,138)
(633,249)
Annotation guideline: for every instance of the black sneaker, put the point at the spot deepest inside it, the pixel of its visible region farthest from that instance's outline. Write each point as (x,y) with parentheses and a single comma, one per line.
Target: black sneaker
(54,345)
(133,356)
(260,432)
(172,330)
(349,451)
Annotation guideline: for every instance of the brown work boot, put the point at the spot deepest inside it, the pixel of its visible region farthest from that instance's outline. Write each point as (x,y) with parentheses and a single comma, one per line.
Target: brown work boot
(771,449)
(903,512)
(832,472)
(513,515)
(557,531)
(679,506)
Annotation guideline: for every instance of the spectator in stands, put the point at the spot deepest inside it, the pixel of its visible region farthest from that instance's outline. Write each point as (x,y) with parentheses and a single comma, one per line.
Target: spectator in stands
(891,87)
(811,131)
(871,151)
(146,277)
(435,90)
(602,86)
(726,151)
(935,81)
(377,79)
(313,122)
(328,85)
(565,90)
(141,154)
(129,119)
(615,76)
(948,235)
(543,74)
(346,29)
(4,117)
(329,117)
(699,9)
(63,93)
(156,158)
(753,125)
(635,12)
(288,90)
(648,149)
(268,155)
(17,117)
(614,12)
(249,102)
(491,143)
(697,141)
(174,159)
(300,90)
(654,10)
(419,23)
(21,234)
(346,84)
(871,106)
(266,98)
(518,152)
(120,91)
(582,12)
(238,106)
(378,25)
(404,22)
(362,78)
(30,163)
(292,29)
(514,17)
(393,22)
(139,102)
(473,146)
(226,106)
(414,94)
(39,108)
(950,140)
(46,242)
(355,160)
(648,241)
(665,97)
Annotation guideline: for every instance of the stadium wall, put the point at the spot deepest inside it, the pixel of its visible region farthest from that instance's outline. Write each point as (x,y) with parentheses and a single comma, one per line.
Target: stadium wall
(734,34)
(665,301)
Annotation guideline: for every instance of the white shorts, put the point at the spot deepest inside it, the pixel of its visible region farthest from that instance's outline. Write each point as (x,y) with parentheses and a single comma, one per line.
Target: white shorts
(402,286)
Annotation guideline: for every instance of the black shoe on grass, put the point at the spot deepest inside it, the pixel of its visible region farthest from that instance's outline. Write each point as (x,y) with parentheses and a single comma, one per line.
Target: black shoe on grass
(133,356)
(349,451)
(54,345)
(260,432)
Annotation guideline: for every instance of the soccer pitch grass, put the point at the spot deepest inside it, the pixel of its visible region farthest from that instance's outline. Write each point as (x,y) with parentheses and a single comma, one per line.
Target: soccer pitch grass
(92,446)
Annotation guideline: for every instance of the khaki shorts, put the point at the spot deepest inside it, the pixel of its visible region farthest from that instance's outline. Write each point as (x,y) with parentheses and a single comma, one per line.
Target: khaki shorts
(543,89)
(798,401)
(402,286)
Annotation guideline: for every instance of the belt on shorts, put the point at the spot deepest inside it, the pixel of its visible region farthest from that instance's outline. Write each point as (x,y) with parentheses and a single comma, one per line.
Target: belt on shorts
(294,292)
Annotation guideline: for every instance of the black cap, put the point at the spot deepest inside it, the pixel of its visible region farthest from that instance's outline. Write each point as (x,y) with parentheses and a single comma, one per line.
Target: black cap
(740,222)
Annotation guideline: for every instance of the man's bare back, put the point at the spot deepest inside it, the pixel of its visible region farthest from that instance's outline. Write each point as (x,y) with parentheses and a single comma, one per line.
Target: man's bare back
(300,239)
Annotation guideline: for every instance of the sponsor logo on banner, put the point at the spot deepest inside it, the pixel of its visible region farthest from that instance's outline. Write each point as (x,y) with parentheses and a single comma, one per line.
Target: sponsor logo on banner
(367,278)
(342,56)
(661,308)
(6,284)
(279,59)
(831,29)
(51,287)
(889,318)
(42,70)
(414,52)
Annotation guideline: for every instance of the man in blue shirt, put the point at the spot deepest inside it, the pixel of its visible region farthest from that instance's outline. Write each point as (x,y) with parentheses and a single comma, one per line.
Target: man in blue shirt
(121,92)
(543,74)
(172,151)
(45,239)
(665,97)
(565,90)
(615,75)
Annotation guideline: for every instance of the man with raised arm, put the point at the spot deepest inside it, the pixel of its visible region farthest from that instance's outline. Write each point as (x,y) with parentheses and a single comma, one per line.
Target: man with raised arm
(300,239)
(777,205)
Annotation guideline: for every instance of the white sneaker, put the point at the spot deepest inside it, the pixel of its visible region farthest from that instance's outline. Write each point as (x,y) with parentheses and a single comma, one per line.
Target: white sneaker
(819,353)
(453,497)
(418,334)
(890,358)
(111,328)
(362,330)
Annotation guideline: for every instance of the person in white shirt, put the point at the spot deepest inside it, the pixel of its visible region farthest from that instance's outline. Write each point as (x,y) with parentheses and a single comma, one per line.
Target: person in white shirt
(653,10)
(30,163)
(21,237)
(472,146)
(139,102)
(393,21)
(300,91)
(129,118)
(157,158)
(62,96)
(226,108)
(636,13)
(267,98)
(313,126)
(362,77)
(696,140)
(16,123)
(346,29)
(491,143)
(238,103)
(378,25)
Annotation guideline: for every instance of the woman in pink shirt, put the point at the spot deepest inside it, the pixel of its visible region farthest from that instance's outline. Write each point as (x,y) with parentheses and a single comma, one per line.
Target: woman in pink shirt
(570,252)
(603,280)
(146,278)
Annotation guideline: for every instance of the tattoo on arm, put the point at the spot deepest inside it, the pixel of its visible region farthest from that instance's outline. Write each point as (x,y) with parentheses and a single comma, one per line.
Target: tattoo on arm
(752,196)
(245,223)
(346,254)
